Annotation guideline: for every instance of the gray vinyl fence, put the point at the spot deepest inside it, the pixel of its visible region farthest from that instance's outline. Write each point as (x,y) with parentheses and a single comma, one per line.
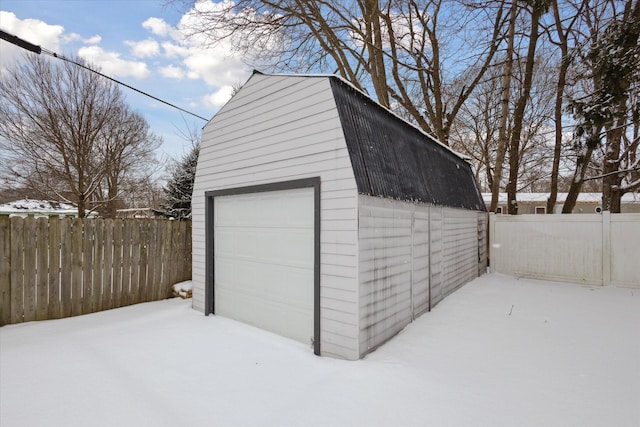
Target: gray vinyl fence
(52,268)
(593,249)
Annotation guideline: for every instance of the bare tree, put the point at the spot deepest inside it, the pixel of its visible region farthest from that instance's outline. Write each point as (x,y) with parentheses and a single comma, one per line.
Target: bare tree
(563,25)
(67,130)
(506,93)
(476,132)
(410,53)
(538,8)
(128,152)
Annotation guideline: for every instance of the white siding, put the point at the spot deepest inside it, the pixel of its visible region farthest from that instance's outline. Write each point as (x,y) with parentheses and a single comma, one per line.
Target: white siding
(420,267)
(483,239)
(279,129)
(460,248)
(410,257)
(385,261)
(436,245)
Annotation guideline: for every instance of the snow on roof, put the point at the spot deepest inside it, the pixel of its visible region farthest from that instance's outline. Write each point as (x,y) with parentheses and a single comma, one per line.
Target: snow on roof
(37,206)
(630,198)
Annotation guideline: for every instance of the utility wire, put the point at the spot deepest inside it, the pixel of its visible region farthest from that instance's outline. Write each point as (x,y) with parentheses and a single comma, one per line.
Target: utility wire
(39,50)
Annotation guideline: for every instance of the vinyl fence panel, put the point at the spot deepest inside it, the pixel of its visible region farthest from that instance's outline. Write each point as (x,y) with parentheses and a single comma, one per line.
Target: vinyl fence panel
(598,249)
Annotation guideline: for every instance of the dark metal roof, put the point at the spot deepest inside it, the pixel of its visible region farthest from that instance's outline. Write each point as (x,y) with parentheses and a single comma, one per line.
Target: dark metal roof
(395,160)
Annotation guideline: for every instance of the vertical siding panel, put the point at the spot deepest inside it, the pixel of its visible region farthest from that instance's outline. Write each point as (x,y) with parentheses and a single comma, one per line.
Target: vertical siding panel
(483,220)
(420,268)
(436,279)
(460,248)
(385,260)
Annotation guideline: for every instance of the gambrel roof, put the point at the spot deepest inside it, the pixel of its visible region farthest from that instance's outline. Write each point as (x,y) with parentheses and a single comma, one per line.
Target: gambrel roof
(393,159)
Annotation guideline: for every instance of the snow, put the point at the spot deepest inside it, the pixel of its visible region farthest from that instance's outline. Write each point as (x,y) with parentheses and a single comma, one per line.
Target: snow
(498,352)
(183,289)
(45,206)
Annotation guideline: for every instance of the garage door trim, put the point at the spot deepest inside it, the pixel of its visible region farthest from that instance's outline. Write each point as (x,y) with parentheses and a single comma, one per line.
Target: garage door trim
(210,242)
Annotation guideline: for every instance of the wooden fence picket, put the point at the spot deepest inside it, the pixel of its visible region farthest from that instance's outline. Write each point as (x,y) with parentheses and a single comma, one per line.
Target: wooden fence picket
(52,268)
(28,237)
(66,281)
(5,271)
(54,236)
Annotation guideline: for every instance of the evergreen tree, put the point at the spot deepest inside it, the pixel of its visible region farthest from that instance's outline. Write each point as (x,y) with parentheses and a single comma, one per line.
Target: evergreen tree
(179,189)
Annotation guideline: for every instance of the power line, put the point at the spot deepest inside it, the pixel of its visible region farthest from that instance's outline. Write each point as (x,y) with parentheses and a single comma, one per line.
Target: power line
(39,50)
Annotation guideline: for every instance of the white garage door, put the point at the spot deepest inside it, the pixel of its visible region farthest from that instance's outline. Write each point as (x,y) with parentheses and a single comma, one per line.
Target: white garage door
(264,260)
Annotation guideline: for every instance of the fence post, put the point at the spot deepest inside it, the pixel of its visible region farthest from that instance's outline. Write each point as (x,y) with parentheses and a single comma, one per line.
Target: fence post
(606,248)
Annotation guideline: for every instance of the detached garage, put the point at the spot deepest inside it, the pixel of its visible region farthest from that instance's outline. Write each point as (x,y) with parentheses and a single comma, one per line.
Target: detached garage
(323,217)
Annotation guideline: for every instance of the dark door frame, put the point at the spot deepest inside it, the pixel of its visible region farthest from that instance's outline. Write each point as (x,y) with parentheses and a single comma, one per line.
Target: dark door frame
(210,242)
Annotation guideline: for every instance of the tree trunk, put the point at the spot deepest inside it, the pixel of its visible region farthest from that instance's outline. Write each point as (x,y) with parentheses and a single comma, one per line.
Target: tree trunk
(518,115)
(506,93)
(578,177)
(562,79)
(611,180)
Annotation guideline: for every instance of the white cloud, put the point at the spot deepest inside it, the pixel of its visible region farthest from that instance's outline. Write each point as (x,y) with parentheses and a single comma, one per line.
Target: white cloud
(158,27)
(172,72)
(111,64)
(217,64)
(32,30)
(144,49)
(218,98)
(77,37)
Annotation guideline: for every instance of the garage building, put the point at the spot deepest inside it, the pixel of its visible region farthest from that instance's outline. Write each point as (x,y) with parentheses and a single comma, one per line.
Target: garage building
(321,216)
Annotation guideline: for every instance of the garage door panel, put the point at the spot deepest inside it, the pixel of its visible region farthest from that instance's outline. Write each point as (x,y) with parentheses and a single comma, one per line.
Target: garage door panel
(241,210)
(264,260)
(268,246)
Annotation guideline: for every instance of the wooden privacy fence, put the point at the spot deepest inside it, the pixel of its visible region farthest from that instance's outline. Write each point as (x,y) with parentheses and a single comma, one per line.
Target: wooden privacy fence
(52,268)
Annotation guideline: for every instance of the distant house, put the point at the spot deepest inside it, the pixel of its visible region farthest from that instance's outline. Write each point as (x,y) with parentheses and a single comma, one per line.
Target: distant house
(38,208)
(536,203)
(321,216)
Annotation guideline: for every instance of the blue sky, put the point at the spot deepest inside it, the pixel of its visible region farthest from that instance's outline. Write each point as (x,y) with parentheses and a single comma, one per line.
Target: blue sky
(141,43)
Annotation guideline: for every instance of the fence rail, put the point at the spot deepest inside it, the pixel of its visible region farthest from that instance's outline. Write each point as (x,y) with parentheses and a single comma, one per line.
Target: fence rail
(52,268)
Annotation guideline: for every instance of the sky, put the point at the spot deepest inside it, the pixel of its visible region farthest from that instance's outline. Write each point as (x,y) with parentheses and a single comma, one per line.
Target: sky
(141,43)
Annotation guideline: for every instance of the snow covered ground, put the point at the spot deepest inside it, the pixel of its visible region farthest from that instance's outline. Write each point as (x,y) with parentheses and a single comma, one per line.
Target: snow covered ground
(499,352)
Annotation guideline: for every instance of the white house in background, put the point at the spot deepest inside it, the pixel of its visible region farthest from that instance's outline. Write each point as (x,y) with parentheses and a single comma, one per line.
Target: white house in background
(536,203)
(321,216)
(38,208)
